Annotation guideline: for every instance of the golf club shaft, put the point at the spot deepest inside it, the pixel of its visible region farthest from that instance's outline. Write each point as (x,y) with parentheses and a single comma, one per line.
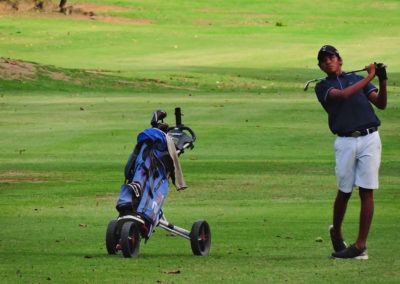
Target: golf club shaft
(322,78)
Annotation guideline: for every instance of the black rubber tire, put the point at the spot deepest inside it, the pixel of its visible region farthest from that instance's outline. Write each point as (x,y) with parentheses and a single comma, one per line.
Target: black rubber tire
(130,239)
(200,238)
(112,237)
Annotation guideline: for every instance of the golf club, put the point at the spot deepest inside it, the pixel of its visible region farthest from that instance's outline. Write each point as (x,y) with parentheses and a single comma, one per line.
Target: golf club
(378,65)
(322,78)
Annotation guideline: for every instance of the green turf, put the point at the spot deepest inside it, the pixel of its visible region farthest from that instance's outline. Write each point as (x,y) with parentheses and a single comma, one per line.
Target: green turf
(261,172)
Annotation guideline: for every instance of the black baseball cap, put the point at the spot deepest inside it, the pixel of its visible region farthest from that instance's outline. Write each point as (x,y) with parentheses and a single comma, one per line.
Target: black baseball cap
(327,49)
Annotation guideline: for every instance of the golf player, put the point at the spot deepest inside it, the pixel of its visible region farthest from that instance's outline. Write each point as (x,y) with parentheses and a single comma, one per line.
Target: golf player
(347,99)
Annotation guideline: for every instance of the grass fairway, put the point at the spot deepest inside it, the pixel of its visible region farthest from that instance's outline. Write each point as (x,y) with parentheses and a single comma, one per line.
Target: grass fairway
(262,170)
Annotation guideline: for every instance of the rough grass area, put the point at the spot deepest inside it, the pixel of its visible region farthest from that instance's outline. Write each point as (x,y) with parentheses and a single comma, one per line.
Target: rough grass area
(257,177)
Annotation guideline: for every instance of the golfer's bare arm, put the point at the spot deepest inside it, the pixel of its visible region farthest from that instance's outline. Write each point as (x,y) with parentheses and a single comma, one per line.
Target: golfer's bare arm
(379,99)
(353,89)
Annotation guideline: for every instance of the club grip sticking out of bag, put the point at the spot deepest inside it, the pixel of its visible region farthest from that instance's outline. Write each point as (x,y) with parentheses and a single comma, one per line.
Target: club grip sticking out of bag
(178,117)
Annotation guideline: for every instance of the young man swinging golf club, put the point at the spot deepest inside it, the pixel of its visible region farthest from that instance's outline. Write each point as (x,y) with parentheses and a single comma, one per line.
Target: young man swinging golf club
(347,99)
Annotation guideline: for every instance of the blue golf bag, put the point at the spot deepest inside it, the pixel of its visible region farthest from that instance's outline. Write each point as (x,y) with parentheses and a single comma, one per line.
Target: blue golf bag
(146,178)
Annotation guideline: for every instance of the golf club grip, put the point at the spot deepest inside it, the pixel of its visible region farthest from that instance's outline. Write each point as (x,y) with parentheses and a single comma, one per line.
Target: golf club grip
(178,116)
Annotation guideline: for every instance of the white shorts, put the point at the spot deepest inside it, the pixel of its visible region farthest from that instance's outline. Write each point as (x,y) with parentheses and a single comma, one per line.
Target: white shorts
(357,161)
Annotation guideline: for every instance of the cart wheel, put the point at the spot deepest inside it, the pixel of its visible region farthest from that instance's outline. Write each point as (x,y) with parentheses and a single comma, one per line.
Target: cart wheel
(200,237)
(112,238)
(130,239)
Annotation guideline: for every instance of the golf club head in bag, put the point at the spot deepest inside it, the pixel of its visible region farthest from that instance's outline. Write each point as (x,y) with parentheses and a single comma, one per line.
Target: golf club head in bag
(158,116)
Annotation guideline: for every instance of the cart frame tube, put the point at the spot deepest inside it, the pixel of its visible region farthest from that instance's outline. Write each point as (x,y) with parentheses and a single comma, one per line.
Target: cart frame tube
(174,229)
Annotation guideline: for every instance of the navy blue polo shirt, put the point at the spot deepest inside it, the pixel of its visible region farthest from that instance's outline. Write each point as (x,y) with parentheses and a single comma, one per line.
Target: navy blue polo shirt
(347,115)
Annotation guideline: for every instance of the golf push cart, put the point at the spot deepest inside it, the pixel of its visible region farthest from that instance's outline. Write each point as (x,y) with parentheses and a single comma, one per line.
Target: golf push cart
(146,185)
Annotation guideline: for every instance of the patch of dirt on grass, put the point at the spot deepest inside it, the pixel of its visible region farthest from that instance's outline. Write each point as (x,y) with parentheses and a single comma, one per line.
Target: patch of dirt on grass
(208,10)
(89,11)
(107,196)
(259,15)
(16,70)
(121,20)
(95,8)
(26,177)
(19,6)
(80,11)
(20,181)
(20,70)
(29,71)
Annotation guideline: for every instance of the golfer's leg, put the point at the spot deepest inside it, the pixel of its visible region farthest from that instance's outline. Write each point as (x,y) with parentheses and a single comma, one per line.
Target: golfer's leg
(366,214)
(339,210)
(345,150)
(367,176)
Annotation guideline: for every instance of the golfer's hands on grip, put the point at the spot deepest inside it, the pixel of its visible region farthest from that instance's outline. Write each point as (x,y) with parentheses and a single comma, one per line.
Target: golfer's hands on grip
(380,71)
(371,69)
(377,69)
